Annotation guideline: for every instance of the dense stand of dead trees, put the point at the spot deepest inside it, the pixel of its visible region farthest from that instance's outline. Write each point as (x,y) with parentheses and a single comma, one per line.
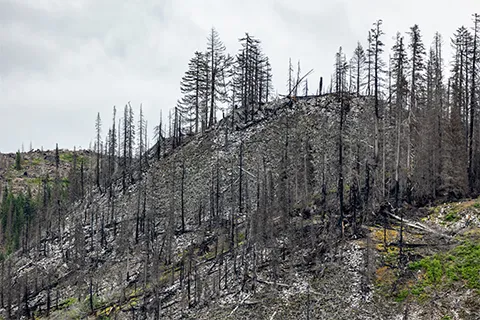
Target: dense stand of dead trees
(413,137)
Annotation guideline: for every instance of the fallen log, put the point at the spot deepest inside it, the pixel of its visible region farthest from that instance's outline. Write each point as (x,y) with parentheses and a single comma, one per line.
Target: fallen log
(418,225)
(235,309)
(413,245)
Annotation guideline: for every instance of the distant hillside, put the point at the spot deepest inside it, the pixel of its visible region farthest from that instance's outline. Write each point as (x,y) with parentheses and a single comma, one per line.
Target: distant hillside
(31,182)
(37,165)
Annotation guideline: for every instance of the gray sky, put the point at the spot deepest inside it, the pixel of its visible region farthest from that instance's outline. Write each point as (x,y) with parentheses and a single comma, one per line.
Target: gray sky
(63,61)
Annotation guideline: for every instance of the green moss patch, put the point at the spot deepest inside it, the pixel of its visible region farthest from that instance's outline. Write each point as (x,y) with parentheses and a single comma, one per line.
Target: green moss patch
(459,267)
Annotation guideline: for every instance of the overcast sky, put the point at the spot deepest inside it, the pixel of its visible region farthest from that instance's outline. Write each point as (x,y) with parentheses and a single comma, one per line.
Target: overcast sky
(62,61)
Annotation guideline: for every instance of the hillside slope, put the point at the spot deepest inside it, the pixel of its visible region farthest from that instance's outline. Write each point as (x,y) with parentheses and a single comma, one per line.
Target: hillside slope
(245,223)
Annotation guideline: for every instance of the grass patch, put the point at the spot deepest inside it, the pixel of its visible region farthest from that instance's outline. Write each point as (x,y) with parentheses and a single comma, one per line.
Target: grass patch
(378,236)
(35,161)
(67,303)
(458,267)
(452,216)
(66,157)
(34,181)
(391,235)
(108,312)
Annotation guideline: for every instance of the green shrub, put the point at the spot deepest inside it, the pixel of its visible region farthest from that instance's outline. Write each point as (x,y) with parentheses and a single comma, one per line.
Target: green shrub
(402,295)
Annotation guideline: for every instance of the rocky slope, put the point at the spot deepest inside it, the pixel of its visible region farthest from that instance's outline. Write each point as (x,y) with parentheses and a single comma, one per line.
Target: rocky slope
(233,225)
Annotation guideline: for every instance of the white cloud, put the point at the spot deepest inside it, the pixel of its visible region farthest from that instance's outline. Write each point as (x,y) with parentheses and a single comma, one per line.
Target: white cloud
(64,61)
